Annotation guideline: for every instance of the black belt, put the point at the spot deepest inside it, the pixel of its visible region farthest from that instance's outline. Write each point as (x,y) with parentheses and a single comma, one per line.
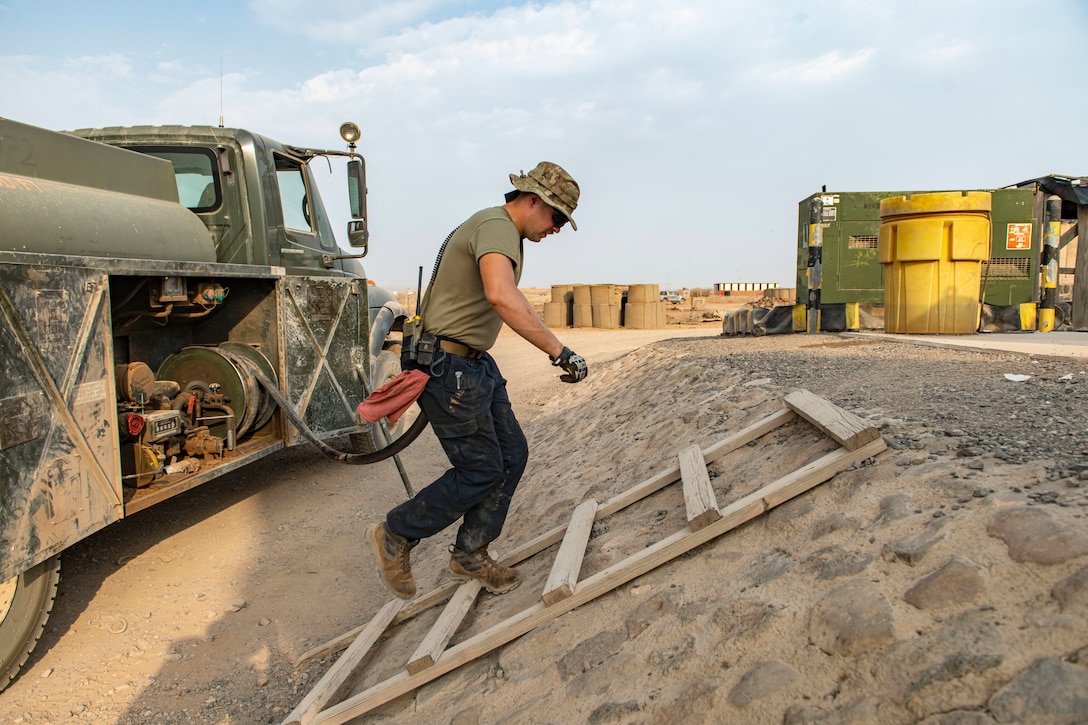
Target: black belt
(456,348)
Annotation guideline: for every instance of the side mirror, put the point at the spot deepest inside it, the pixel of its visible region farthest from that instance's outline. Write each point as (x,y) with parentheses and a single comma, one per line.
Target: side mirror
(359,235)
(357,188)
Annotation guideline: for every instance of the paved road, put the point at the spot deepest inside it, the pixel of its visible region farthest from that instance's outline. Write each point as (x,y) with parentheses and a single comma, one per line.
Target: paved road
(1051,344)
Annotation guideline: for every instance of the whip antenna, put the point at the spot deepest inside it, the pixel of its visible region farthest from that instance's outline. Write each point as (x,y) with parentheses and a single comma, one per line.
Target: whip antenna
(220,93)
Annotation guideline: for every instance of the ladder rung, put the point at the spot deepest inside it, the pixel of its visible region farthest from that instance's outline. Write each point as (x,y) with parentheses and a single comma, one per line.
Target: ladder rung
(699,496)
(432,646)
(568,562)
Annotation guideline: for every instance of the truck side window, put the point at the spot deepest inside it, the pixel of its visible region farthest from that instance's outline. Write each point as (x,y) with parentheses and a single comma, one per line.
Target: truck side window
(194,173)
(293,198)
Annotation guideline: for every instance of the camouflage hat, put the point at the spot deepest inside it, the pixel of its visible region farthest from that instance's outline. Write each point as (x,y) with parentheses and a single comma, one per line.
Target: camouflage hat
(552,184)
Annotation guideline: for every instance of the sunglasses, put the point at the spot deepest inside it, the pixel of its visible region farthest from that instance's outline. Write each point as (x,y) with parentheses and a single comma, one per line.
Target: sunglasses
(558,219)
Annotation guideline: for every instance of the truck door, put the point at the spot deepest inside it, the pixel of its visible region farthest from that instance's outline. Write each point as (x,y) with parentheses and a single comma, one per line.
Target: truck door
(307,234)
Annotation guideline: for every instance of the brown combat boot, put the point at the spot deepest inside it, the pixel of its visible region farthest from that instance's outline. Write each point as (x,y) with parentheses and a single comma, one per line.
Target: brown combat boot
(393,554)
(496,578)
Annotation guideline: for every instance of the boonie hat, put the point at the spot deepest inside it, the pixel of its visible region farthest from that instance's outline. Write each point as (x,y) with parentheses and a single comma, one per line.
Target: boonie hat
(552,184)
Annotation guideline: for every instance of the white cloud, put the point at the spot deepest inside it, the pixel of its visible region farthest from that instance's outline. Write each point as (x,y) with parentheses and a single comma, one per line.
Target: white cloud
(343,21)
(694,128)
(111,65)
(73,92)
(827,68)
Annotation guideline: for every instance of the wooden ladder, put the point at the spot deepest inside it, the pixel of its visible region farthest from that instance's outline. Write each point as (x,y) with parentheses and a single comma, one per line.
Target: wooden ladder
(564,590)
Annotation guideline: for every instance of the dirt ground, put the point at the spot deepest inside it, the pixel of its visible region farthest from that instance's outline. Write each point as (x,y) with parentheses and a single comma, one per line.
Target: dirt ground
(196,611)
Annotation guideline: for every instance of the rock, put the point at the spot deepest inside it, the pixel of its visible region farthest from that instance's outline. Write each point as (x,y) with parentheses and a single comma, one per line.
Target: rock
(1072,592)
(674,656)
(956,583)
(1050,691)
(789,511)
(913,549)
(620,712)
(835,522)
(1046,618)
(763,680)
(851,619)
(959,717)
(937,669)
(591,653)
(1033,536)
(833,562)
(893,508)
(770,565)
(691,705)
(862,712)
(739,617)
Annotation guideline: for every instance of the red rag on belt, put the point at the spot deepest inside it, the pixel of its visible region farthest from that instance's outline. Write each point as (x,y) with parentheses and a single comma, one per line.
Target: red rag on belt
(392,399)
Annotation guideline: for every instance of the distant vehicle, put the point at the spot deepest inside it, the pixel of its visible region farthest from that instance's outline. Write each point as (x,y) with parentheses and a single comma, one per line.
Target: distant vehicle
(672,297)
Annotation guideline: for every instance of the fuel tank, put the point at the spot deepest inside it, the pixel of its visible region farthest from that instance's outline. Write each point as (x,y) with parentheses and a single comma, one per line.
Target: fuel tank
(64,195)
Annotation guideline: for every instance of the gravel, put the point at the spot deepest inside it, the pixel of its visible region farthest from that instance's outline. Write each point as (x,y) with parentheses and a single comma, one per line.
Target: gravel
(960,396)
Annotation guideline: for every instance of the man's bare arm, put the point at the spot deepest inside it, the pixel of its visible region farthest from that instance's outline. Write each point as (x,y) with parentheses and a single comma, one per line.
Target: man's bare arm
(497,272)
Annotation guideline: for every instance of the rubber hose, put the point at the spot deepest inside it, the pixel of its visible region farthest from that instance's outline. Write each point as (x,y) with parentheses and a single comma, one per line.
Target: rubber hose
(389,451)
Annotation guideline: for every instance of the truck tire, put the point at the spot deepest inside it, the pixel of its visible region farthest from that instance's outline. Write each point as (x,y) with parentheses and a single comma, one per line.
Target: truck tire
(25,603)
(386,367)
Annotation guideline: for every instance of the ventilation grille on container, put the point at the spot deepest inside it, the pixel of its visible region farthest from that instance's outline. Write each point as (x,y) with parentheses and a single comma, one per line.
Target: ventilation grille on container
(1007,268)
(862,241)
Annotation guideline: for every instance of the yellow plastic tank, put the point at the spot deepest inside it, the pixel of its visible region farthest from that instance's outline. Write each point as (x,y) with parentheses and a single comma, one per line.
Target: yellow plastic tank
(932,247)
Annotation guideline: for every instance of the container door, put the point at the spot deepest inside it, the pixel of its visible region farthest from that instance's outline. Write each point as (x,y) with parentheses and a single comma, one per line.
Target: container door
(326,329)
(60,473)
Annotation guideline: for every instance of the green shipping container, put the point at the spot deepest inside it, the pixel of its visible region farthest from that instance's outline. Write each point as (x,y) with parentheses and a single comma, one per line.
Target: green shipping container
(851,271)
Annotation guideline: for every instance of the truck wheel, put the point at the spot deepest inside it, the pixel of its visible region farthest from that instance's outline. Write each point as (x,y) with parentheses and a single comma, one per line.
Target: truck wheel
(385,368)
(25,603)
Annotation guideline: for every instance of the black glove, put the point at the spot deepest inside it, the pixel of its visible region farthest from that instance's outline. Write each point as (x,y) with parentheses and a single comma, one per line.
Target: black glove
(573,364)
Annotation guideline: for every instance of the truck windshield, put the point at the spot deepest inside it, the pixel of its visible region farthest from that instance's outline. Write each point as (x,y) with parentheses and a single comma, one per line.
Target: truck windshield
(194,173)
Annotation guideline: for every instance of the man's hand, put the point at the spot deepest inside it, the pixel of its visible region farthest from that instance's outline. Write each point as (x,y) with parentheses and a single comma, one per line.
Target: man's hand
(573,364)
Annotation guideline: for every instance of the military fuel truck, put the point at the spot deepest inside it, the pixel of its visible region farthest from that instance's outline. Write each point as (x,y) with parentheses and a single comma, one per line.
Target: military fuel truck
(173,307)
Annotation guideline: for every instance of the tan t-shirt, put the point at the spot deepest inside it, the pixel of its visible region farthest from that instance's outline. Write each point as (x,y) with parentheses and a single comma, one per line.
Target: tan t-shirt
(455,305)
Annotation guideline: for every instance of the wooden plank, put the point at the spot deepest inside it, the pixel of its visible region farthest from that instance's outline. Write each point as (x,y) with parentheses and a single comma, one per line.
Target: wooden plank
(845,428)
(533,547)
(445,627)
(605,581)
(568,562)
(699,499)
(327,686)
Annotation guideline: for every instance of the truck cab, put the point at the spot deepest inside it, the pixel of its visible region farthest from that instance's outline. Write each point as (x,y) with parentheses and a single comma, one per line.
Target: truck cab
(257,196)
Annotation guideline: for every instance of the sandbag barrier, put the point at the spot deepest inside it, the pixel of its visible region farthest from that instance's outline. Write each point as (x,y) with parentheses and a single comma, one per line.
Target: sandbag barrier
(605,306)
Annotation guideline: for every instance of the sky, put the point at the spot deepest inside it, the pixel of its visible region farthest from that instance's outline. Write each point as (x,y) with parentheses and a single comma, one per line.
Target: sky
(693,128)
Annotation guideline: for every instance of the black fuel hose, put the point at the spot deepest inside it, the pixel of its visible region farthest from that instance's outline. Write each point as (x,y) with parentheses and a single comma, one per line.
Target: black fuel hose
(389,451)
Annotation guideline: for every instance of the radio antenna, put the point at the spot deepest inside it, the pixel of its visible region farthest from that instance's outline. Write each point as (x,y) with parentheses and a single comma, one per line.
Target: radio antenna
(419,289)
(220,93)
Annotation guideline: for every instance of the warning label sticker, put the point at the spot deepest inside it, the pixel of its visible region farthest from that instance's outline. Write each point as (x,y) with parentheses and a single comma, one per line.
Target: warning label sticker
(1018,236)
